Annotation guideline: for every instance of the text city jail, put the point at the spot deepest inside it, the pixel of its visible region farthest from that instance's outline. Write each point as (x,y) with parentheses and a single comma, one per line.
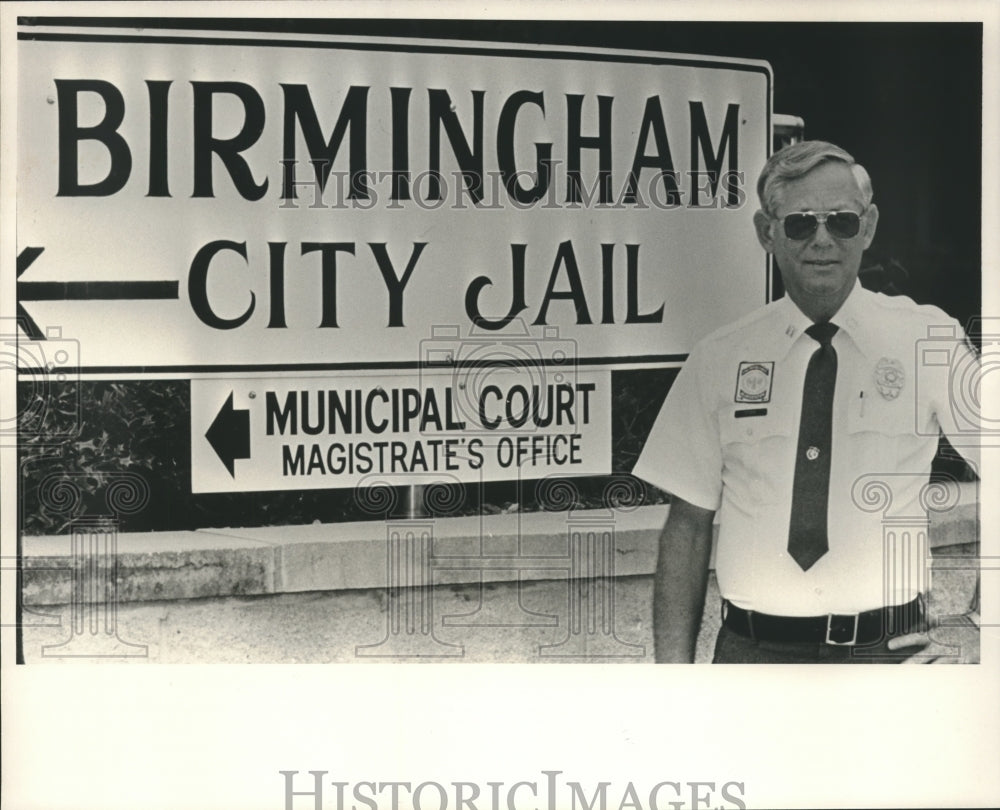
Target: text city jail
(564,283)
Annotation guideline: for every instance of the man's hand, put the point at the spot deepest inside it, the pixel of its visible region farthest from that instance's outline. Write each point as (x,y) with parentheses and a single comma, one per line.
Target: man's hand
(953,640)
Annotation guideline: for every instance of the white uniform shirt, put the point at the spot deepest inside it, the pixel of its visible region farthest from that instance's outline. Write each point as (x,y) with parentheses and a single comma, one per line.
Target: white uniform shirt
(727,436)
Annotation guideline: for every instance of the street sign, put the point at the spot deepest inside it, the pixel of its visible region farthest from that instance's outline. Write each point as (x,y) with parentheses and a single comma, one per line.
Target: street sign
(309,433)
(195,200)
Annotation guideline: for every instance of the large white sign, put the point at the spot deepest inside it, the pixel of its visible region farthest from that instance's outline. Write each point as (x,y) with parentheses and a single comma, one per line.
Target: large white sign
(192,201)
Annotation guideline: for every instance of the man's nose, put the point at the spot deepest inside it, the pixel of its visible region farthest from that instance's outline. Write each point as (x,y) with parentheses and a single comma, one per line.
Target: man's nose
(822,235)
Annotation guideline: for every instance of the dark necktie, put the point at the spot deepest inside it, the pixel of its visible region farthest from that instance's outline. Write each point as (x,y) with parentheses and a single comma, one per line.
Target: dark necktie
(807,531)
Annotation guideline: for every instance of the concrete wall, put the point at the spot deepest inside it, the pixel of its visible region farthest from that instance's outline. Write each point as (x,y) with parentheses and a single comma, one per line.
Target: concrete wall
(548,587)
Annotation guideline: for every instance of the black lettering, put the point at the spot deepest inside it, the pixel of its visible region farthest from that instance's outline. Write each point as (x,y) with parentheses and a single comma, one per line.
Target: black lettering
(505,150)
(340,409)
(276,251)
(475,454)
(393,283)
(517,302)
(577,142)
(411,406)
(282,416)
(517,417)
(607,283)
(317,428)
(353,114)
(585,389)
(373,426)
(430,413)
(565,256)
(489,424)
(449,416)
(158,185)
(652,121)
(228,149)
(632,270)
(293,464)
(106,132)
(470,159)
(537,417)
(328,267)
(315,460)
(363,459)
(400,142)
(198,285)
(336,464)
(701,145)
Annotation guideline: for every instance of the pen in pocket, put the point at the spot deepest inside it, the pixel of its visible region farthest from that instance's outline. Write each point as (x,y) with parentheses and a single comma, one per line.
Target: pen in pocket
(861,407)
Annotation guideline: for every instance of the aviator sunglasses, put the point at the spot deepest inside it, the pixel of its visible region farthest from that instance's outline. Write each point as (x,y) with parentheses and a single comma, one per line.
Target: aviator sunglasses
(803,224)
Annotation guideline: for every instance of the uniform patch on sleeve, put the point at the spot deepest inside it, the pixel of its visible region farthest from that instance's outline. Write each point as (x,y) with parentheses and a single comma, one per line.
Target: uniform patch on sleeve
(753,381)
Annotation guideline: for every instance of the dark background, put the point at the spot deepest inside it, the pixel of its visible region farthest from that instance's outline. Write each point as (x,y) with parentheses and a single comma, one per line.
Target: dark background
(904,99)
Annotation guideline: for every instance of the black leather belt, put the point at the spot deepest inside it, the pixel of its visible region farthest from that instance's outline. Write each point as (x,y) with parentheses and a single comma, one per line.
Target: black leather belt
(841,629)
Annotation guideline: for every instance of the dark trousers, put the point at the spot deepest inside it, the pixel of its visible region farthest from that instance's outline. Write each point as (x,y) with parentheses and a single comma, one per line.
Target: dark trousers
(734,648)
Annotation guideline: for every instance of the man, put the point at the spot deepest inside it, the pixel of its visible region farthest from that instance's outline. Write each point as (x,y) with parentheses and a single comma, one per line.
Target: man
(810,425)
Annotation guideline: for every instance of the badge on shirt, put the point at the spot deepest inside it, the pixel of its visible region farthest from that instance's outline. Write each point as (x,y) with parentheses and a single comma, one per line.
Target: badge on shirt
(889,377)
(753,381)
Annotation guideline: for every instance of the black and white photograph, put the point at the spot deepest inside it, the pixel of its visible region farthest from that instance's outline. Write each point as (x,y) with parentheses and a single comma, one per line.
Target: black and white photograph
(346,335)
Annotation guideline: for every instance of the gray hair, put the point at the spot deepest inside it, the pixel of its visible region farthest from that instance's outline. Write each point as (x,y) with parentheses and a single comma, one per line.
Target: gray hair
(799,159)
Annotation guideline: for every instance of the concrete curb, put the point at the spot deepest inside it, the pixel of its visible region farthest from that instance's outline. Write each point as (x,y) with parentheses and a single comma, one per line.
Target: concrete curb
(211,563)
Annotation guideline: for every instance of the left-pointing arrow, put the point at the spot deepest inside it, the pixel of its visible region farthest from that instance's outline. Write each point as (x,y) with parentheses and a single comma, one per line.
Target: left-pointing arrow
(229,435)
(79,291)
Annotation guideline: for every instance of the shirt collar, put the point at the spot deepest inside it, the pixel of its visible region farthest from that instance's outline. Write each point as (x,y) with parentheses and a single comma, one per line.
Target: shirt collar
(792,321)
(854,318)
(857,319)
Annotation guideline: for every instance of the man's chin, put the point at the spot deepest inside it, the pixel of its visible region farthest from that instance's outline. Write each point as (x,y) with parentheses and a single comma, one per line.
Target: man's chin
(819,297)
(828,284)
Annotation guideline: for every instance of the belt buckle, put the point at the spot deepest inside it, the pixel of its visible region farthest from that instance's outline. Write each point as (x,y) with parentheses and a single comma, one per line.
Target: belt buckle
(829,627)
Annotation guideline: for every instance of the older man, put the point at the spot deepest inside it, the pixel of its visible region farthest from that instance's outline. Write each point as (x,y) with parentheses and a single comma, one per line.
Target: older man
(807,425)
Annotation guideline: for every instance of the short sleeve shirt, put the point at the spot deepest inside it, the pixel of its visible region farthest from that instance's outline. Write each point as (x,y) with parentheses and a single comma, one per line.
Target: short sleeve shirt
(727,436)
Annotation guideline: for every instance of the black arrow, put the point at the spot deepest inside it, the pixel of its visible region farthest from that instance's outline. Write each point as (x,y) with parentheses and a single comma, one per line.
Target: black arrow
(229,435)
(79,291)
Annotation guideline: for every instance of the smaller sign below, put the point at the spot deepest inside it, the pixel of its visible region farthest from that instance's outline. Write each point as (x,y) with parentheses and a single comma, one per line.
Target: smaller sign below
(475,424)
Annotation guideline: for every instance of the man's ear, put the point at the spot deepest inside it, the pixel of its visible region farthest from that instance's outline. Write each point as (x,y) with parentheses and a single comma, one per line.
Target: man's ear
(762,223)
(870,223)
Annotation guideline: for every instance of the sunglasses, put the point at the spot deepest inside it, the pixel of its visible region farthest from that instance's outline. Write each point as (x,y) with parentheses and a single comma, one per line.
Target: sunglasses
(803,224)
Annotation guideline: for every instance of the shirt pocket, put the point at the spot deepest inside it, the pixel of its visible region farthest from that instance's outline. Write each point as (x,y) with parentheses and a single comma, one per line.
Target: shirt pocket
(878,429)
(758,446)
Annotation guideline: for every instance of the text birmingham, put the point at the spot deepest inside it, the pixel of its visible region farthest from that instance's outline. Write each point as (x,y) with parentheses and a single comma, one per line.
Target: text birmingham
(376,128)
